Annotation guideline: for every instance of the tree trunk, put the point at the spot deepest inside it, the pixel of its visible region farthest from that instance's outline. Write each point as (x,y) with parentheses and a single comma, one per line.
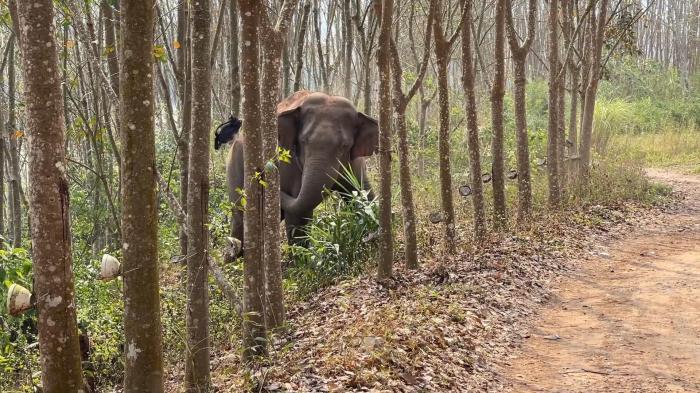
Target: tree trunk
(553,125)
(472,127)
(347,56)
(300,47)
(48,196)
(184,62)
(15,177)
(197,365)
(386,239)
(254,336)
(522,140)
(442,51)
(233,58)
(497,94)
(142,329)
(597,39)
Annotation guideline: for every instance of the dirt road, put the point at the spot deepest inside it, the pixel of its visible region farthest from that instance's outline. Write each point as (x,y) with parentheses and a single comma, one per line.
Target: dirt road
(629,320)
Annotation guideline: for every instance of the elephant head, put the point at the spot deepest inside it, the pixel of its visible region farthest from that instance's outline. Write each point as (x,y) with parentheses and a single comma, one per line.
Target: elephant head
(321,131)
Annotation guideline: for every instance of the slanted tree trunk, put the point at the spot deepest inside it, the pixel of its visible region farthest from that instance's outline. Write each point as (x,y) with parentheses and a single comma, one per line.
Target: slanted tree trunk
(197,364)
(49,199)
(254,335)
(497,94)
(472,125)
(143,368)
(386,239)
(553,111)
(597,39)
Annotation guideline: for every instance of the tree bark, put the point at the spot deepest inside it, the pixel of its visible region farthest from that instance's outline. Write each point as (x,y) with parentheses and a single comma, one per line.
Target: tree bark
(197,365)
(233,58)
(497,94)
(300,46)
(472,125)
(184,64)
(442,51)
(386,239)
(15,177)
(553,125)
(254,336)
(142,329)
(48,196)
(597,38)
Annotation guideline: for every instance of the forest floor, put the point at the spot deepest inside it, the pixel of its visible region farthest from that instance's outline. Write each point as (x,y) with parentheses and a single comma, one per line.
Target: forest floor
(629,319)
(602,299)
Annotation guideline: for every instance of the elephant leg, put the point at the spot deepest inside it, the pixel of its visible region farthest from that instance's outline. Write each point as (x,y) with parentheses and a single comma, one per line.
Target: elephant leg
(295,227)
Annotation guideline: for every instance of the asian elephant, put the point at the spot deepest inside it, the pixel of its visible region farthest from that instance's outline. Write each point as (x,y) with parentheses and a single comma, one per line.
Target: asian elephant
(322,132)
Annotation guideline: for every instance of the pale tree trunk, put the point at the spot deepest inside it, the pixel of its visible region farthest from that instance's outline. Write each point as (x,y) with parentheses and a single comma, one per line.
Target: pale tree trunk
(569,38)
(442,52)
(13,145)
(561,125)
(401,102)
(143,368)
(111,45)
(472,126)
(386,239)
(300,46)
(48,196)
(3,148)
(254,335)
(347,56)
(197,364)
(272,43)
(553,125)
(233,58)
(597,39)
(184,63)
(497,94)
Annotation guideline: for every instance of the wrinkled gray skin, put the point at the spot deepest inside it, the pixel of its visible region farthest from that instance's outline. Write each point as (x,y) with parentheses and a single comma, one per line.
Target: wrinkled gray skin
(321,131)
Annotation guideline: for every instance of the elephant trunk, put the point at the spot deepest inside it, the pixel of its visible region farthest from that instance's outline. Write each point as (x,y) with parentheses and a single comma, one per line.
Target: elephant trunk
(319,172)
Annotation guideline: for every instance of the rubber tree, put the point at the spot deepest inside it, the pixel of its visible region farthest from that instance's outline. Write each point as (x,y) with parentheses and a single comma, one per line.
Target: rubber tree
(143,368)
(197,362)
(468,86)
(498,91)
(49,200)
(553,178)
(401,101)
(386,239)
(519,54)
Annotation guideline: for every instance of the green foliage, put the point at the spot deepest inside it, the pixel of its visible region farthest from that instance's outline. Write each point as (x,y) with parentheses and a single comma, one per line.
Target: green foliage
(338,239)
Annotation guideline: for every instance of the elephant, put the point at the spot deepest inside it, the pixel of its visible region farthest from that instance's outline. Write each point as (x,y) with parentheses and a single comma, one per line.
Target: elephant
(322,132)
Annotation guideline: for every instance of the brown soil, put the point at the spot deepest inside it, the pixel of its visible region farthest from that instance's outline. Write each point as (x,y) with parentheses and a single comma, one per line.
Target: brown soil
(629,319)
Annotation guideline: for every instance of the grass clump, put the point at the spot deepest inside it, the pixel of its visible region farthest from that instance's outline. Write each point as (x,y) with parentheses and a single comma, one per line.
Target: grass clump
(338,239)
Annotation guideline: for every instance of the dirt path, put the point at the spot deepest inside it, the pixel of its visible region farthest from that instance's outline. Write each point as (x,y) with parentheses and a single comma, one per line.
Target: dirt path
(629,320)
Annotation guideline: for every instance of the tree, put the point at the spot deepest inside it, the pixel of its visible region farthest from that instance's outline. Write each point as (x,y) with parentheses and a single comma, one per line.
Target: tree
(300,44)
(49,199)
(597,36)
(197,366)
(443,46)
(497,94)
(14,169)
(401,101)
(272,43)
(472,124)
(254,336)
(519,55)
(386,240)
(233,58)
(142,329)
(553,111)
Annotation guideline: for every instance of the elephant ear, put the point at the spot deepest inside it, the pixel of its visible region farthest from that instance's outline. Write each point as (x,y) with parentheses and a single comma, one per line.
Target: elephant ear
(287,118)
(367,137)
